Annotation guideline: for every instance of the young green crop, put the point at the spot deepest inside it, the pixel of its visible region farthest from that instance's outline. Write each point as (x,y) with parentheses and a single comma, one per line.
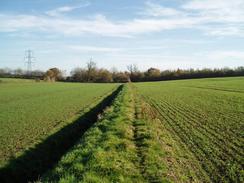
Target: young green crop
(207,117)
(174,131)
(30,111)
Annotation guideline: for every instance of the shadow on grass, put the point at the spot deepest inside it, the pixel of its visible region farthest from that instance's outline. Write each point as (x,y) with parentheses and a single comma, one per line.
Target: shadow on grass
(36,161)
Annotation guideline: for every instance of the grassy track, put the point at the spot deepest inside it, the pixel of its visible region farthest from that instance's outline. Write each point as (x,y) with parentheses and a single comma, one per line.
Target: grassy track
(128,144)
(30,112)
(107,152)
(207,117)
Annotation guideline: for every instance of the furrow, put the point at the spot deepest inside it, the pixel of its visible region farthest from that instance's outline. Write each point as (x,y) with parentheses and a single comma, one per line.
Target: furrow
(209,163)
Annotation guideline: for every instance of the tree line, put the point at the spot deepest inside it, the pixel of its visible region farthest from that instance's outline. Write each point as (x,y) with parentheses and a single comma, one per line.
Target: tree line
(20,73)
(91,73)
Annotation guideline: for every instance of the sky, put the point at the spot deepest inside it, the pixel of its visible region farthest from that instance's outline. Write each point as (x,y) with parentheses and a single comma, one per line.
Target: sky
(166,34)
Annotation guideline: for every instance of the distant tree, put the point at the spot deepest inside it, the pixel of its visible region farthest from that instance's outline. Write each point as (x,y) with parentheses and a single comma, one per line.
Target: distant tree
(57,73)
(2,72)
(114,71)
(121,77)
(239,71)
(92,74)
(79,75)
(5,72)
(132,68)
(127,75)
(104,76)
(152,74)
(18,72)
(134,73)
(165,75)
(49,76)
(53,74)
(38,74)
(178,72)
(91,71)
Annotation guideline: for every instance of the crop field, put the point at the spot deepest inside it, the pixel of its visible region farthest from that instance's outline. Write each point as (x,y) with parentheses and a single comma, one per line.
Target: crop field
(30,111)
(177,131)
(170,131)
(207,117)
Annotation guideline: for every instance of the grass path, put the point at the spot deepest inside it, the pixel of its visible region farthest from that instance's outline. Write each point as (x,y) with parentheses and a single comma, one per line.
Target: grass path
(107,152)
(129,143)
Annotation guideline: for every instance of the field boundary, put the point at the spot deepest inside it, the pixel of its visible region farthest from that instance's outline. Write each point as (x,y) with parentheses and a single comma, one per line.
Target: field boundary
(37,160)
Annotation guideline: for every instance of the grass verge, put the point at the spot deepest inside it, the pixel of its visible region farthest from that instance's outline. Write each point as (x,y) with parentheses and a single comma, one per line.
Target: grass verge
(107,152)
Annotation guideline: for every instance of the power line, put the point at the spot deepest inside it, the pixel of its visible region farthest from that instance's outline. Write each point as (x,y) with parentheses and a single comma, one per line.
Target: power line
(29,57)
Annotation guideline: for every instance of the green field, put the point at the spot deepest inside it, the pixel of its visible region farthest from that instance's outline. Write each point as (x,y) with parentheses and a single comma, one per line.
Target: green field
(170,131)
(207,117)
(30,111)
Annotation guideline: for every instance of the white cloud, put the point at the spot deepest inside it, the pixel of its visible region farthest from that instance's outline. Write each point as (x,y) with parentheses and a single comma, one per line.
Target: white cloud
(97,25)
(212,4)
(65,9)
(231,55)
(216,18)
(222,11)
(224,31)
(157,10)
(92,48)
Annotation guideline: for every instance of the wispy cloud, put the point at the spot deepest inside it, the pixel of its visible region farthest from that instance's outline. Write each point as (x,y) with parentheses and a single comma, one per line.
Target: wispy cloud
(217,18)
(96,25)
(231,55)
(65,9)
(224,30)
(218,10)
(157,10)
(92,48)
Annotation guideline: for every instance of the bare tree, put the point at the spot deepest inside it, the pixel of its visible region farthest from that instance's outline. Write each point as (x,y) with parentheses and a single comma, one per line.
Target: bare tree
(79,74)
(132,68)
(91,70)
(134,72)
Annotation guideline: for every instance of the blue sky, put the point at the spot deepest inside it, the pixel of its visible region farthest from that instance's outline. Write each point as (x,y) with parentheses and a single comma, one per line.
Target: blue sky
(166,34)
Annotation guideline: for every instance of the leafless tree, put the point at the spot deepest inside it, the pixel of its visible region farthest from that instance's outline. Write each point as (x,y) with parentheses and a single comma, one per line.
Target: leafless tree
(91,70)
(132,68)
